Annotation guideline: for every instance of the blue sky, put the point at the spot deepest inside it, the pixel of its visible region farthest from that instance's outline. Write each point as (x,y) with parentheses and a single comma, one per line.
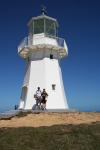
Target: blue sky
(80,26)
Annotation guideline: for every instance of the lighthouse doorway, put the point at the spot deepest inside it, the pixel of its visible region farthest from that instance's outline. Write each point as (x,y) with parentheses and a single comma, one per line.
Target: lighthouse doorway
(23,96)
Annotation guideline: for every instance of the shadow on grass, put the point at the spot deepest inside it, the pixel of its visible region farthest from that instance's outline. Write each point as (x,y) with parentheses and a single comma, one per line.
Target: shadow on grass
(57,137)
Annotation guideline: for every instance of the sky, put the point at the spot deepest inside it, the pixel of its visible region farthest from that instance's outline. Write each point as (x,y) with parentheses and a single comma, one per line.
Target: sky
(79,25)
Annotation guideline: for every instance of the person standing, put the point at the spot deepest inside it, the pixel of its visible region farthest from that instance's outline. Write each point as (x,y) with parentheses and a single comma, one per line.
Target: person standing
(44,94)
(38,96)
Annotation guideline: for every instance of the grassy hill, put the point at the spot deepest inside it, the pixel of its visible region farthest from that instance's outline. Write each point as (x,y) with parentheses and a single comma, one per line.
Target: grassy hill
(50,131)
(56,137)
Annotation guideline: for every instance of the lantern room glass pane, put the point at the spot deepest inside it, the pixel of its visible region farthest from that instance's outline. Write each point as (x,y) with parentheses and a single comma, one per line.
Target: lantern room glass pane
(31,29)
(50,27)
(38,26)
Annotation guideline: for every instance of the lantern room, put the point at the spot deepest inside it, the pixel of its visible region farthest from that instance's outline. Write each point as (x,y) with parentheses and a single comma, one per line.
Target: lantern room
(43,24)
(43,34)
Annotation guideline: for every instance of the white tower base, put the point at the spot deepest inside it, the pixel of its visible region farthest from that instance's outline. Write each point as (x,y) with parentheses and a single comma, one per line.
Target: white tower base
(43,73)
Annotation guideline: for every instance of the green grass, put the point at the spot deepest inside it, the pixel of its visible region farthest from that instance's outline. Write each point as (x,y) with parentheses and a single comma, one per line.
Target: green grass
(22,114)
(58,137)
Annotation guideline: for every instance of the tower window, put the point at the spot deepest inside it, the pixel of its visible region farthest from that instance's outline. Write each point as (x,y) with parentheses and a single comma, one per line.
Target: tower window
(53,86)
(51,56)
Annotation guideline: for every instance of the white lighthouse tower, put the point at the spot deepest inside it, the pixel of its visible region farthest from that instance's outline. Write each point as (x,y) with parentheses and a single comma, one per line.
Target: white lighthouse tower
(42,50)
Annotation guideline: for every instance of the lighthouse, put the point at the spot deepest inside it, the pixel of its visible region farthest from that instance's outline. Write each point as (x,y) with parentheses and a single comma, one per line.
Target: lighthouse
(42,51)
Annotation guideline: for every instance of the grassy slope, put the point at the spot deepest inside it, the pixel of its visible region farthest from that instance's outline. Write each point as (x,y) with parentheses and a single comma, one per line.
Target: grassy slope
(58,137)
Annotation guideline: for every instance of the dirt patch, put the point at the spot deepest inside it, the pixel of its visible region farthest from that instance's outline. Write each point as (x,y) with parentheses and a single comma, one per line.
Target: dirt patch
(49,119)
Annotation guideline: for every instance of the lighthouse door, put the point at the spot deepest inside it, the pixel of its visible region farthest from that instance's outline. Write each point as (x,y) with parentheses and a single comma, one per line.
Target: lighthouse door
(23,96)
